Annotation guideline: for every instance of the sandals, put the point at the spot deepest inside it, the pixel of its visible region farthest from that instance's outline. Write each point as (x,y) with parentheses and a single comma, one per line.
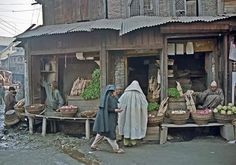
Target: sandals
(119,151)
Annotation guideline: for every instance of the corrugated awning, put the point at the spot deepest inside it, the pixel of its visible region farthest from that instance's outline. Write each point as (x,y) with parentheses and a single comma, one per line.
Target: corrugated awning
(122,25)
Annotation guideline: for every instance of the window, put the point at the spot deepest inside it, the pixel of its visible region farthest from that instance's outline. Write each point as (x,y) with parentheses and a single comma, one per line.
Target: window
(185,8)
(180,8)
(148,7)
(142,7)
(134,7)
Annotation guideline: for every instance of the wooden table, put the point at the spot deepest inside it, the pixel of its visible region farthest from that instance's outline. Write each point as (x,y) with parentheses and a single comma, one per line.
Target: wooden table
(31,118)
(164,129)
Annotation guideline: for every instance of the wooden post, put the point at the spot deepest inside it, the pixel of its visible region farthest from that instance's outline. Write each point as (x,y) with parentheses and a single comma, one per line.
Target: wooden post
(27,74)
(30,124)
(163,134)
(226,68)
(44,126)
(103,61)
(164,70)
(87,128)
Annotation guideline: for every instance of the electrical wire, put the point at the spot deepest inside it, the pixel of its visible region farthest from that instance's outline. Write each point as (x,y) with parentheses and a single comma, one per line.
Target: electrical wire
(18,10)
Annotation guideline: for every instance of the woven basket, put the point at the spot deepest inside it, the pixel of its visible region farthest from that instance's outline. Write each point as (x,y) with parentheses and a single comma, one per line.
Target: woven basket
(154,121)
(179,118)
(223,118)
(234,122)
(201,119)
(88,114)
(68,112)
(35,108)
(20,110)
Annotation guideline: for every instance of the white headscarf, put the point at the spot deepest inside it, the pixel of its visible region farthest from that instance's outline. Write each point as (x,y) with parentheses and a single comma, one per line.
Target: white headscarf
(132,121)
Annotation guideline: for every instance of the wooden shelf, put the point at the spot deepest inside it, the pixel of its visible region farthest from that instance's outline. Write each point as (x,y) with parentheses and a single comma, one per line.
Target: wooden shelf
(44,71)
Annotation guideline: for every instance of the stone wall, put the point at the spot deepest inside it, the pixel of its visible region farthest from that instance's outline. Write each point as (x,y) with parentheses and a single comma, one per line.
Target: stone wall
(208,8)
(120,71)
(114,8)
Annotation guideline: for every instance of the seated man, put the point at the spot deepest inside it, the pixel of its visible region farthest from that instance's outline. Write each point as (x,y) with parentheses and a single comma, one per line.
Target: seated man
(211,97)
(54,99)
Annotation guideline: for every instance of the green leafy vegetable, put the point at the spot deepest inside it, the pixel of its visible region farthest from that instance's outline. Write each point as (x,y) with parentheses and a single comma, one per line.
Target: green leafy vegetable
(153,106)
(92,91)
(173,92)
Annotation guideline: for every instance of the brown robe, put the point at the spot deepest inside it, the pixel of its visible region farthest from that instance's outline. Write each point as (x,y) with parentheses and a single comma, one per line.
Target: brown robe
(10,101)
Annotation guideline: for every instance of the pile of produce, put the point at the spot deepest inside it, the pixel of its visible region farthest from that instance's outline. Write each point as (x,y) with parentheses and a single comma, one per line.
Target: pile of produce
(203,112)
(230,109)
(202,117)
(92,90)
(68,108)
(68,111)
(173,93)
(178,112)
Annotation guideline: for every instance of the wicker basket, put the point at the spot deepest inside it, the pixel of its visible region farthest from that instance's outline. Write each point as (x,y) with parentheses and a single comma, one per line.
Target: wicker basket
(20,110)
(224,118)
(35,108)
(234,122)
(68,112)
(88,114)
(179,118)
(154,120)
(201,119)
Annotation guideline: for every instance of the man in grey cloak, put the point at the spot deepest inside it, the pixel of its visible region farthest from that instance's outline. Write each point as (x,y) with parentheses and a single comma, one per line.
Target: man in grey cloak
(54,99)
(132,122)
(106,119)
(211,97)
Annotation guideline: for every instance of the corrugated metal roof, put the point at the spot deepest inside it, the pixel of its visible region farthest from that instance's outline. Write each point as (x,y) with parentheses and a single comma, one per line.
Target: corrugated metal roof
(122,25)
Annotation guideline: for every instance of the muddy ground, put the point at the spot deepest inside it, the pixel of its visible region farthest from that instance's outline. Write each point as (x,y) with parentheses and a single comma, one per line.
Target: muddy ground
(18,147)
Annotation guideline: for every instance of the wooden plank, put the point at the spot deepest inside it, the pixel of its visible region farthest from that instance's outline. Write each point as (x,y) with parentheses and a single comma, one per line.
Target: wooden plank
(194,28)
(191,125)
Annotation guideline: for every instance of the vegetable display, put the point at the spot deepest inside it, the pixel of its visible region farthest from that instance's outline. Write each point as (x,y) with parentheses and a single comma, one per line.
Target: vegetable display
(153,106)
(173,92)
(225,110)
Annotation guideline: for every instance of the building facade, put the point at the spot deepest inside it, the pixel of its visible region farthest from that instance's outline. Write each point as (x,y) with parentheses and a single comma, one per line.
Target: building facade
(153,41)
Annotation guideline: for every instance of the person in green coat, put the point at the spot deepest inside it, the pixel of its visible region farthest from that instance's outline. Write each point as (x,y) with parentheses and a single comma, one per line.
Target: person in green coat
(106,119)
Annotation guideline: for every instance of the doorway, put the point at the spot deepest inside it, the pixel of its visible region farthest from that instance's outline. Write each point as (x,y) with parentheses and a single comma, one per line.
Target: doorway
(138,69)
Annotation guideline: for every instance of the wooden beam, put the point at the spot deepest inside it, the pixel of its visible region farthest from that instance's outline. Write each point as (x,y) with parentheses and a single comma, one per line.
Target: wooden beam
(28,74)
(226,68)
(164,70)
(194,28)
(104,64)
(64,51)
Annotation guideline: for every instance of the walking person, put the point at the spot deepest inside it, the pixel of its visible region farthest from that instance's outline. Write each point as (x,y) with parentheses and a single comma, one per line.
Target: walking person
(106,120)
(132,122)
(2,94)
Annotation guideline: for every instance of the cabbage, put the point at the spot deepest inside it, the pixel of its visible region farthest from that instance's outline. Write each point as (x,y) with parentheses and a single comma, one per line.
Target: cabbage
(225,107)
(215,110)
(231,104)
(229,113)
(219,107)
(223,112)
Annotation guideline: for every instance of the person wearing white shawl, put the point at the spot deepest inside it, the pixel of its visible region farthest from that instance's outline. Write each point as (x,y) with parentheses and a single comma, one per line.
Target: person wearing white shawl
(132,122)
